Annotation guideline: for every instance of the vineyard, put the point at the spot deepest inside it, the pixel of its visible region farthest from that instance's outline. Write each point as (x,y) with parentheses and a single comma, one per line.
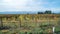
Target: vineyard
(29,23)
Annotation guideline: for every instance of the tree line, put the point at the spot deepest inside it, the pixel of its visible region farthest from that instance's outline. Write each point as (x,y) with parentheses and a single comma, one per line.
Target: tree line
(46,12)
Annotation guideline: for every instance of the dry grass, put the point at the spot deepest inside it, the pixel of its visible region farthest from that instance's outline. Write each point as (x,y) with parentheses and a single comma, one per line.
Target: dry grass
(30,23)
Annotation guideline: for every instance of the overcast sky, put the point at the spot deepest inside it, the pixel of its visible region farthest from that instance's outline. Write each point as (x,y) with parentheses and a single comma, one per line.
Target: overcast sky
(30,5)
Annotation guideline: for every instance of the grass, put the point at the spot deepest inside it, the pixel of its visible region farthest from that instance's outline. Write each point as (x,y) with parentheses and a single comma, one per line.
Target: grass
(57,29)
(30,26)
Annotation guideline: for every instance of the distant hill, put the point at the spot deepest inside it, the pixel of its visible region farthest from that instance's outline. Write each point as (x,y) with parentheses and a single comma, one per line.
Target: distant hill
(22,12)
(18,12)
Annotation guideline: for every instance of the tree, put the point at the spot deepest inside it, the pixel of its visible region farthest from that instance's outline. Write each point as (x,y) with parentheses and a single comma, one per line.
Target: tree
(48,12)
(40,12)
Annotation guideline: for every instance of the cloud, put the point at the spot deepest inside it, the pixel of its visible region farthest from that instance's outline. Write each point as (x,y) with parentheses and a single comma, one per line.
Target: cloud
(29,5)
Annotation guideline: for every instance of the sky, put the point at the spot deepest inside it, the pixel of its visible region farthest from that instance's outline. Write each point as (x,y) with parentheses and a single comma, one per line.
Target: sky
(29,5)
